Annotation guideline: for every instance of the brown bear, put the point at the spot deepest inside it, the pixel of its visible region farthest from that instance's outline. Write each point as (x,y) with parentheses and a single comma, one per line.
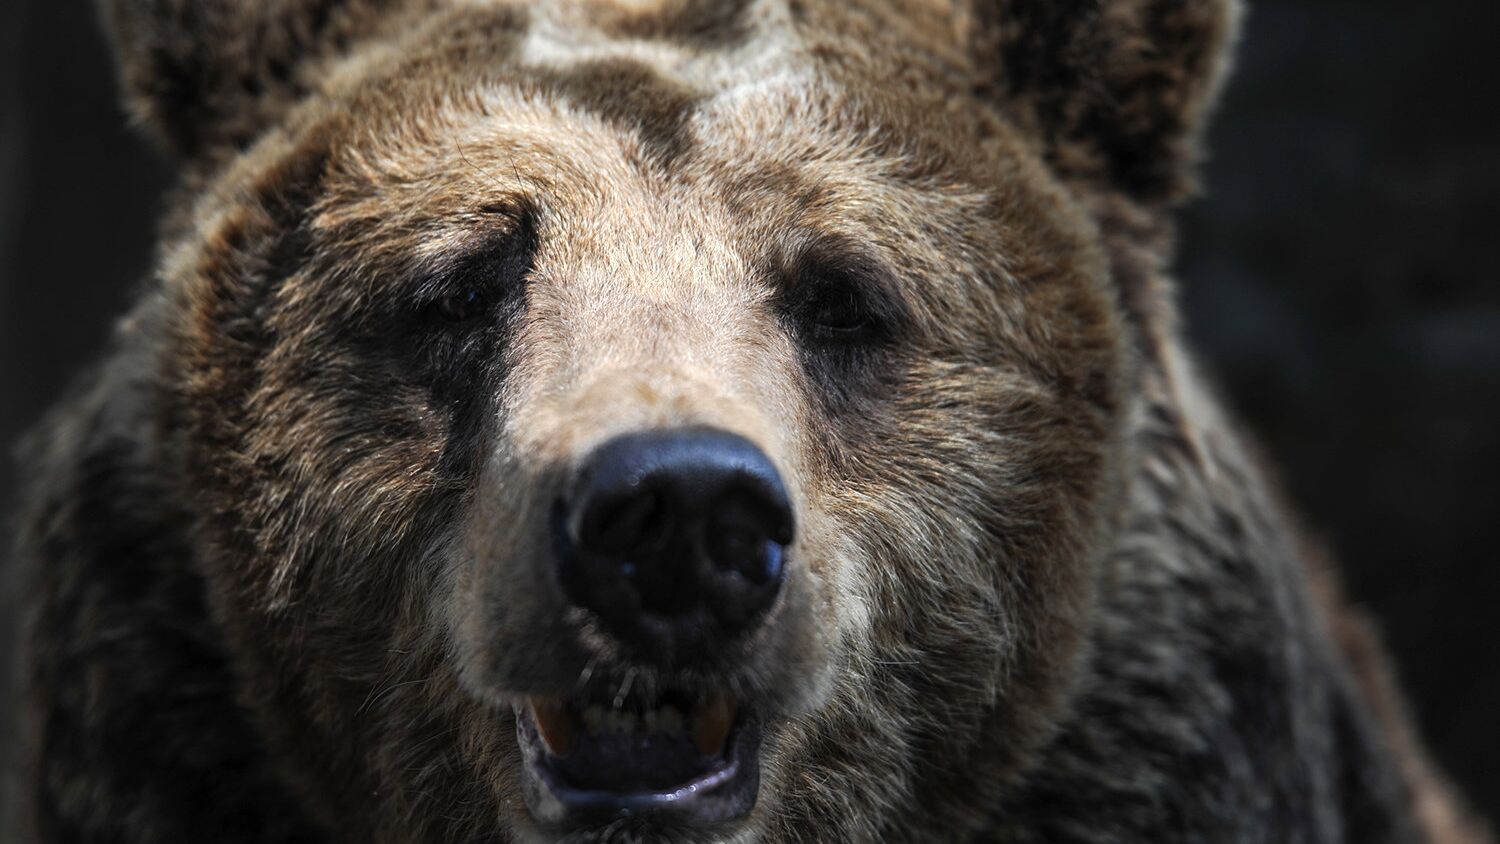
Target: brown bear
(663,420)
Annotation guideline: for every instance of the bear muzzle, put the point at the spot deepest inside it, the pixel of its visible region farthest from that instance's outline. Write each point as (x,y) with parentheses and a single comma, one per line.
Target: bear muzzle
(674,543)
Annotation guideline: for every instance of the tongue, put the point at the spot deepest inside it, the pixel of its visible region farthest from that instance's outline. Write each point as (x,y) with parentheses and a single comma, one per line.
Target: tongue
(634,763)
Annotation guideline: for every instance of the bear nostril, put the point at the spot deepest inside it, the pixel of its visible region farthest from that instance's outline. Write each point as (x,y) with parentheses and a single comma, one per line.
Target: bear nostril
(676,534)
(623,524)
(745,536)
(757,560)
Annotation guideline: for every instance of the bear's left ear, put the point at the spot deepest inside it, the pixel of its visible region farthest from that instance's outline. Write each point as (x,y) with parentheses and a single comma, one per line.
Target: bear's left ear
(207,76)
(1116,89)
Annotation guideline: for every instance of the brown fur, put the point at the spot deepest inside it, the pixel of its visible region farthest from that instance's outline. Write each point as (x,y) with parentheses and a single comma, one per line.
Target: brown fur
(1039,592)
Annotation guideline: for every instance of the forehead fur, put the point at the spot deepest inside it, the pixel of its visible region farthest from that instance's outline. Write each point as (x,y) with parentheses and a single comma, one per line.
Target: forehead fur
(481,103)
(476,107)
(1113,92)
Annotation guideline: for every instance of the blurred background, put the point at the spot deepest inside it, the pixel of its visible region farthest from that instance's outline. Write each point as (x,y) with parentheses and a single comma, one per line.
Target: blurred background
(1338,278)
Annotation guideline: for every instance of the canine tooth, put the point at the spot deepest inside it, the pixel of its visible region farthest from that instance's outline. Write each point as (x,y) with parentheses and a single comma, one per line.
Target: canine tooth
(556,725)
(711,722)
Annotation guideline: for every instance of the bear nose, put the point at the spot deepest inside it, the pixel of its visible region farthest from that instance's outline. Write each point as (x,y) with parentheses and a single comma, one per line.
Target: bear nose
(675,539)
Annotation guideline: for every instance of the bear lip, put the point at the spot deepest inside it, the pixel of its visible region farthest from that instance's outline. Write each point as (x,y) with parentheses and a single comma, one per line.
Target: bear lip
(585,764)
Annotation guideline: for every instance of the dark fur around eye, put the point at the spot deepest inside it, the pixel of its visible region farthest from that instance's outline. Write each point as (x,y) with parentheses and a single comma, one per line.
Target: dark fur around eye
(448,331)
(463,304)
(836,301)
(839,314)
(476,288)
(454,336)
(847,319)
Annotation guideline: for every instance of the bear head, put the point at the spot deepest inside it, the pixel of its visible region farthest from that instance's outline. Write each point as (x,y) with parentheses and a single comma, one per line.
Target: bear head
(679,419)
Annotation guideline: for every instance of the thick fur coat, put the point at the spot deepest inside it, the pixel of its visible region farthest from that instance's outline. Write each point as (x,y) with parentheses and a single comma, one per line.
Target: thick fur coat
(286,554)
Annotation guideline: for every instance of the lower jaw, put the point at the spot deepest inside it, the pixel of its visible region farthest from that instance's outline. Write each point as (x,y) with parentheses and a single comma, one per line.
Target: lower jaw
(714,801)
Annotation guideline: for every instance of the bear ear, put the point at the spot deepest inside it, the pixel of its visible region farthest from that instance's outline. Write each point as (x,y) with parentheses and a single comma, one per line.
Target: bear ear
(205,76)
(1117,89)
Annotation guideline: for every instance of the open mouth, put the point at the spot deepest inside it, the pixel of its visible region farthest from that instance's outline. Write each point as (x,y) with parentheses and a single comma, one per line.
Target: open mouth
(677,756)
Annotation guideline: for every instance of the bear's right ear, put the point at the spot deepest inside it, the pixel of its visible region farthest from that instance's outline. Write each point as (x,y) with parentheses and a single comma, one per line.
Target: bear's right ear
(206,76)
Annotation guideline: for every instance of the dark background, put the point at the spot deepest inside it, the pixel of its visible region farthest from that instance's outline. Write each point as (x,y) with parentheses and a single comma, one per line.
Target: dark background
(1338,279)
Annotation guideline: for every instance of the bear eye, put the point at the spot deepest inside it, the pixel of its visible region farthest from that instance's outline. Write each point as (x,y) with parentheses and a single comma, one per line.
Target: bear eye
(838,314)
(838,298)
(462,305)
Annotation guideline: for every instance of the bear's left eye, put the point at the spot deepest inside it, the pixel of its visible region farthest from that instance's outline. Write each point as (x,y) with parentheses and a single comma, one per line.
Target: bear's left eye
(462,305)
(839,314)
(838,299)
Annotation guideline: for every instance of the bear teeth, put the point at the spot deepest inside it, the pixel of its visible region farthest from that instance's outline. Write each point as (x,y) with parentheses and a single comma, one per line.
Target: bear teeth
(560,725)
(708,725)
(557,726)
(599,720)
(712,721)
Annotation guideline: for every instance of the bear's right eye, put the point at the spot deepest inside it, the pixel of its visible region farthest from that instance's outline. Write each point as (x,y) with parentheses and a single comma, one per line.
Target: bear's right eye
(483,284)
(462,305)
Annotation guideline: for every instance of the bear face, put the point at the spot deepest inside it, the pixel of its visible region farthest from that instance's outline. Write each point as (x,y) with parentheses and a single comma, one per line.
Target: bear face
(743,421)
(432,297)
